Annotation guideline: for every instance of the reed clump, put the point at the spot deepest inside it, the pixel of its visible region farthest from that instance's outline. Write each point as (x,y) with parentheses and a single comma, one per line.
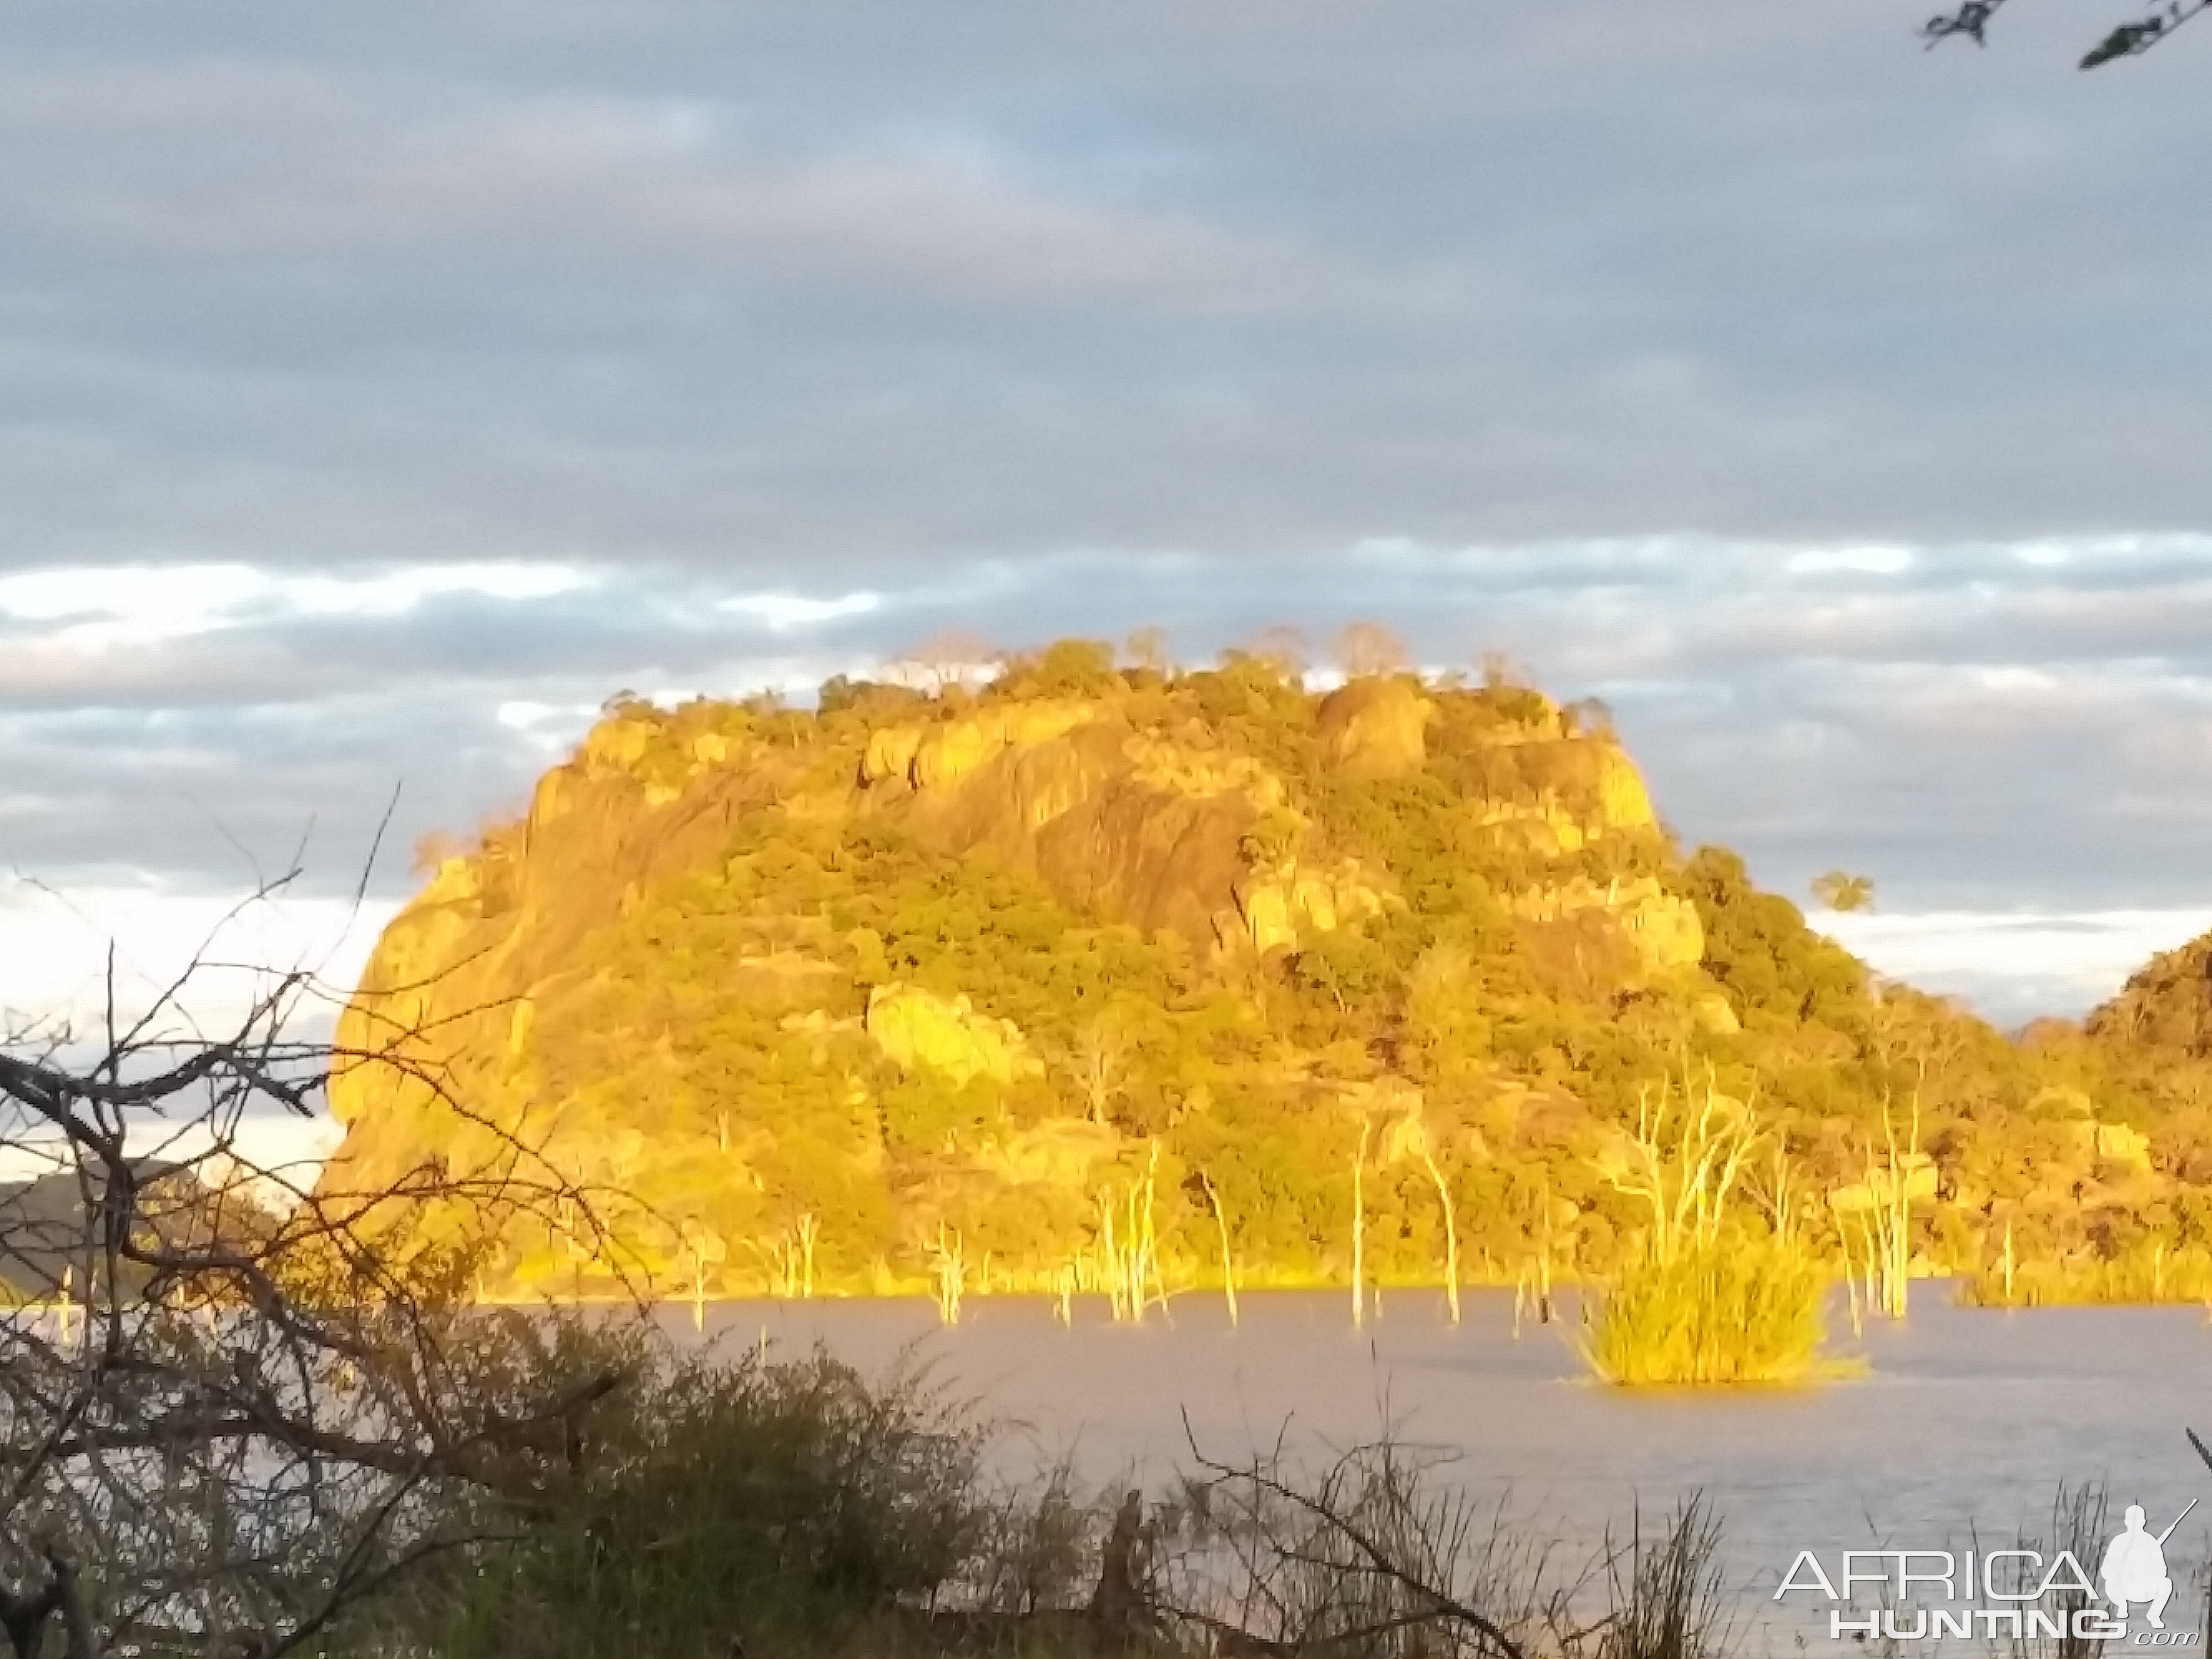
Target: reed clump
(1726,1288)
(1743,1310)
(1666,1598)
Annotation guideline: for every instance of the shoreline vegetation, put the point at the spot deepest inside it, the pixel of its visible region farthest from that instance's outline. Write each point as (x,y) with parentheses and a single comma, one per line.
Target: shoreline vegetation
(795,1507)
(800,1508)
(1723,1283)
(753,1505)
(270,1436)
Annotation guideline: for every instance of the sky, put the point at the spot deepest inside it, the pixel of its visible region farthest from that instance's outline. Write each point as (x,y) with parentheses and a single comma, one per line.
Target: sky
(383,388)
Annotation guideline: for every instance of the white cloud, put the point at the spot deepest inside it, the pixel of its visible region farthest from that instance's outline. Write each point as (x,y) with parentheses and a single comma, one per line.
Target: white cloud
(2061,552)
(783,612)
(105,608)
(551,729)
(1869,560)
(102,607)
(396,592)
(2013,965)
(54,970)
(526,716)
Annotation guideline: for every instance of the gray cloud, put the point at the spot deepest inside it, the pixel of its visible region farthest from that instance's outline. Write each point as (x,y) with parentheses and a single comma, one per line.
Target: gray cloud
(1830,407)
(728,287)
(1975,728)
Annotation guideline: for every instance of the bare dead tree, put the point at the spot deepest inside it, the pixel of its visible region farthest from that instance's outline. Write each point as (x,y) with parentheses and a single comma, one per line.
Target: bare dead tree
(1147,647)
(1096,1061)
(1366,648)
(235,1402)
(1283,647)
(951,656)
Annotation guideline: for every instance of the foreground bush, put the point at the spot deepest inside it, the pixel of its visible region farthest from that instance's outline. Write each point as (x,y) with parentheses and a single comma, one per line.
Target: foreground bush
(727,1502)
(1738,1309)
(1382,1552)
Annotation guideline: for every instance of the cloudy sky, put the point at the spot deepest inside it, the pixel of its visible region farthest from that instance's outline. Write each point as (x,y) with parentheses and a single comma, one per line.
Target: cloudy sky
(382,388)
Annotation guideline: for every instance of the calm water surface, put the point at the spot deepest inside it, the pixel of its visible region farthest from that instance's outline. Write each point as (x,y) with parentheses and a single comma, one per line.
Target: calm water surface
(1966,1422)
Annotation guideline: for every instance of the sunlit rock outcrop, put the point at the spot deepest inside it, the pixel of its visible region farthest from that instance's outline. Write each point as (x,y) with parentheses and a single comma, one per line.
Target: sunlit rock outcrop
(1377,727)
(991,977)
(918,1031)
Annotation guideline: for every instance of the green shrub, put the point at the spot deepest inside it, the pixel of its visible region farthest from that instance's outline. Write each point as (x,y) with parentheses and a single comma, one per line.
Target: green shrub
(732,1500)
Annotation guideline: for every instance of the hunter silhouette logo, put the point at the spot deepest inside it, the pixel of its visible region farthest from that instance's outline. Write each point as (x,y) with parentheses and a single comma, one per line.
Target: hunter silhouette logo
(2134,1569)
(1989,1596)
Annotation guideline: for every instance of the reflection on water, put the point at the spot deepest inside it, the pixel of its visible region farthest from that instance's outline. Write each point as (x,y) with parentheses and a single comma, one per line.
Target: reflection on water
(1964,1427)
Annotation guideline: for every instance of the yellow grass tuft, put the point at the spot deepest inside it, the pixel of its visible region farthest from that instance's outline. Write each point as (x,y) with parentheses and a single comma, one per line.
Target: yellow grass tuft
(1737,1309)
(1721,1293)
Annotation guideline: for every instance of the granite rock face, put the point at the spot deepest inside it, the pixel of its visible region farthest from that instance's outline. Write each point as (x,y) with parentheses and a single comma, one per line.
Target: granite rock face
(885,964)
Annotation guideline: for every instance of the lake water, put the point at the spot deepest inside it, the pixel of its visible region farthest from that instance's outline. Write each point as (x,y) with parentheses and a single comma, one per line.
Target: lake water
(1962,1429)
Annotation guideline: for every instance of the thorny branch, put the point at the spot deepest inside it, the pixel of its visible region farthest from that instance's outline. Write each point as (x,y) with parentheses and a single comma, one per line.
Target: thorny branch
(234,1403)
(1338,1522)
(1972,19)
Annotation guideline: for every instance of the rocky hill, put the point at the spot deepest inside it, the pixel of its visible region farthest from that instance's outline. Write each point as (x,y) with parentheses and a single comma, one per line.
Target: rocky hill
(2167,1004)
(1103,970)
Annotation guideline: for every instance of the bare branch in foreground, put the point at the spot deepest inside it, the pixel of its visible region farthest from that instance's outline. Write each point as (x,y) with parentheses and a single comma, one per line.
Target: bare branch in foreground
(235,1401)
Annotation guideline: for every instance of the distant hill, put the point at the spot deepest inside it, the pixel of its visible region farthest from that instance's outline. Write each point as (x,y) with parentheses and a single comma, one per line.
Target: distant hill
(1100,953)
(2166,1005)
(45,1222)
